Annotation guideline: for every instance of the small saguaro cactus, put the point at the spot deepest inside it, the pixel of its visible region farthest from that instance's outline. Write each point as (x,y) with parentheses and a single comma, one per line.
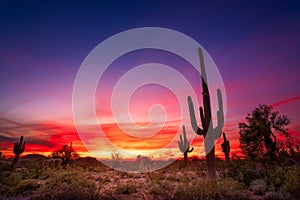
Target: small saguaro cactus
(184,146)
(225,147)
(19,148)
(68,154)
(209,133)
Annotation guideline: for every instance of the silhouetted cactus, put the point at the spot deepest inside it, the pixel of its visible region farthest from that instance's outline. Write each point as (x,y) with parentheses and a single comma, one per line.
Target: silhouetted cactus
(225,147)
(209,133)
(0,154)
(184,146)
(68,154)
(19,148)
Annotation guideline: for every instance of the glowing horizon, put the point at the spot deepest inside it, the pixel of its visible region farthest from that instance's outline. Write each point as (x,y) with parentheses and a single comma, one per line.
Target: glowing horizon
(42,48)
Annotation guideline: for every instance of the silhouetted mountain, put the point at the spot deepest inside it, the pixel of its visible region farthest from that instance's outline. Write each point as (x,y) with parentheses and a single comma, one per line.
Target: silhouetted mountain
(34,157)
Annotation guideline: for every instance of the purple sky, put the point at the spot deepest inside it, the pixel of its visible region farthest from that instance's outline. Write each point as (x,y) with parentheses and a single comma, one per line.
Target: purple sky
(255,45)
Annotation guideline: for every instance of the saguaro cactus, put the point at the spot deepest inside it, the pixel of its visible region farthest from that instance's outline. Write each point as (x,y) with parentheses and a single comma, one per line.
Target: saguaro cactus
(209,133)
(225,147)
(184,146)
(19,148)
(68,153)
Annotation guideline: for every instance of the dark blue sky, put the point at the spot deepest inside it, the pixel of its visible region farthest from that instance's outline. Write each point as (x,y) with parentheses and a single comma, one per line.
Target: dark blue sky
(60,35)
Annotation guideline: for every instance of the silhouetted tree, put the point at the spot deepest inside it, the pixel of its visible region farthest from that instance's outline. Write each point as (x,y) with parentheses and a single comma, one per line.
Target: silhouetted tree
(116,158)
(67,153)
(258,136)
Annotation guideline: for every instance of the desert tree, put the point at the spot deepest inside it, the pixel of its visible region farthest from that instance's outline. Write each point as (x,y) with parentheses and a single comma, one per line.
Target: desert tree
(258,138)
(66,154)
(116,159)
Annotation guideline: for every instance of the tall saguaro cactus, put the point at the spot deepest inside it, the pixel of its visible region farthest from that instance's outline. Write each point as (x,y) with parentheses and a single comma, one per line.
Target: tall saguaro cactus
(184,146)
(19,148)
(225,147)
(209,133)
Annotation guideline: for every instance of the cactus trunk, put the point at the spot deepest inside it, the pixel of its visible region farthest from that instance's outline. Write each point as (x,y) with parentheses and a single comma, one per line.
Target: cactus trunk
(209,133)
(185,156)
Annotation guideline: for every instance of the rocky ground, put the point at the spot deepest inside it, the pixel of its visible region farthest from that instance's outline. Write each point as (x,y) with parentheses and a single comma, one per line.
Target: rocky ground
(89,179)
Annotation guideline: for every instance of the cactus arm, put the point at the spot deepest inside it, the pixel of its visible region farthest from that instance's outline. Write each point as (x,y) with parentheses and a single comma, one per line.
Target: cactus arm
(221,110)
(186,143)
(180,147)
(194,124)
(23,147)
(190,150)
(220,116)
(224,137)
(181,142)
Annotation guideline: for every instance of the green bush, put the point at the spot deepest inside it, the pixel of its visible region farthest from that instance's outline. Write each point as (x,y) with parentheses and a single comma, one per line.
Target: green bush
(292,182)
(258,186)
(26,186)
(126,188)
(280,195)
(205,189)
(160,190)
(276,178)
(241,172)
(68,184)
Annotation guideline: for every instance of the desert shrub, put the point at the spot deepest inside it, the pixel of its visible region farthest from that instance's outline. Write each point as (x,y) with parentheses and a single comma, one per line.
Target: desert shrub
(161,190)
(89,163)
(8,181)
(156,176)
(276,177)
(68,184)
(292,182)
(205,189)
(126,188)
(241,172)
(26,186)
(258,186)
(13,184)
(4,166)
(280,195)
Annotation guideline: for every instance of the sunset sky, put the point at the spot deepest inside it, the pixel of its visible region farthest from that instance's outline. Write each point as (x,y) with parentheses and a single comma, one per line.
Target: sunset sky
(254,44)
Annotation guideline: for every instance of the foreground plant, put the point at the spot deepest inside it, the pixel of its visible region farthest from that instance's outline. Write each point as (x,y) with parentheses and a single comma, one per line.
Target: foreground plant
(19,148)
(184,146)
